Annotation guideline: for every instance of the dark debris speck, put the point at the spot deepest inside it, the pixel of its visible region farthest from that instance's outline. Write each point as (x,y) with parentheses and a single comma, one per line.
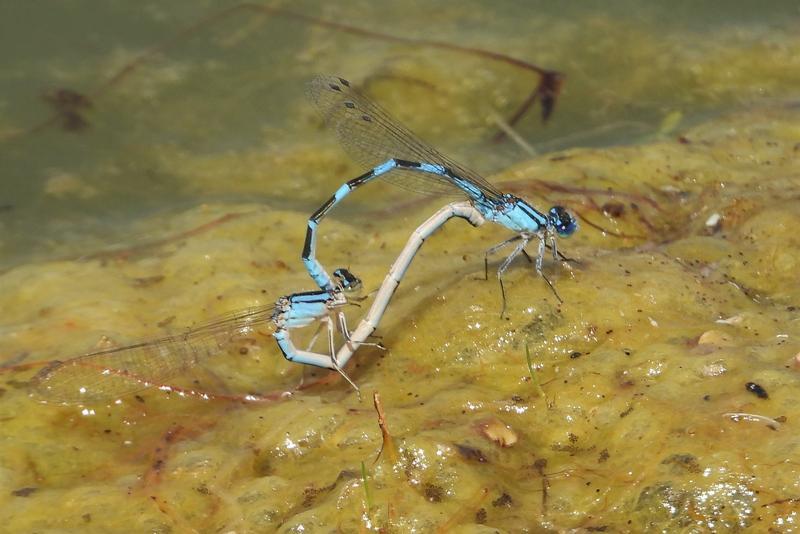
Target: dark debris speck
(683,462)
(433,493)
(24,492)
(470,453)
(757,390)
(503,500)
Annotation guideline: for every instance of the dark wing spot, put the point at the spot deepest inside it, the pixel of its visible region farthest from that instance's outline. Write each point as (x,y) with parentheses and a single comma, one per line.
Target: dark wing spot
(334,87)
(344,82)
(366,118)
(349,105)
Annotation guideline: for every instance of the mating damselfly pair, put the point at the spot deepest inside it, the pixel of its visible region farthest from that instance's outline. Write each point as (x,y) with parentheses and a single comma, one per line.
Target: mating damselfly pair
(394,154)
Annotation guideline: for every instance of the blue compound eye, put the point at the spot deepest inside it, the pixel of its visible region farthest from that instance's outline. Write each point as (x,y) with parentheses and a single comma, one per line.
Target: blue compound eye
(346,280)
(564,223)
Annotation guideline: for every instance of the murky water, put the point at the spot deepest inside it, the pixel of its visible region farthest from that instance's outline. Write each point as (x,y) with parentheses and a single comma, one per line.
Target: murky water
(159,163)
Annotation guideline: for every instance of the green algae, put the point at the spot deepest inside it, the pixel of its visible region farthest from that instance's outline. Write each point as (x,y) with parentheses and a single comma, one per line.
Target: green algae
(640,364)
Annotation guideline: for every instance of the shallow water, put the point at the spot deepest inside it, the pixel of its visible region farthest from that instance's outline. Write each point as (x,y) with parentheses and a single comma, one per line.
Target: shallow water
(185,193)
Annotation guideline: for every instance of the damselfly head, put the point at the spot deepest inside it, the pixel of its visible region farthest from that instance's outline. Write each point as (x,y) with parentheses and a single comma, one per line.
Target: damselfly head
(562,221)
(346,280)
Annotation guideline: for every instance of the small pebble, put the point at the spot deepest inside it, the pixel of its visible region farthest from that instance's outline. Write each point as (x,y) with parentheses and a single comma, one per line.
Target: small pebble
(716,338)
(497,431)
(713,223)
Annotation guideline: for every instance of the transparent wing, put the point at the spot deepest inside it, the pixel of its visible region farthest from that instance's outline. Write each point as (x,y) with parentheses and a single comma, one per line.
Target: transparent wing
(371,136)
(109,374)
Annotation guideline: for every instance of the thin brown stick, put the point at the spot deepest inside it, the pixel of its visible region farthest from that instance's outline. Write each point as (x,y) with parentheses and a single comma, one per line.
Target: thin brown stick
(387,443)
(539,465)
(125,253)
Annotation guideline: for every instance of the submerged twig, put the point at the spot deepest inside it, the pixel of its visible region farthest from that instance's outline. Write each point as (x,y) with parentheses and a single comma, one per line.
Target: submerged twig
(546,91)
(604,230)
(539,465)
(125,253)
(512,134)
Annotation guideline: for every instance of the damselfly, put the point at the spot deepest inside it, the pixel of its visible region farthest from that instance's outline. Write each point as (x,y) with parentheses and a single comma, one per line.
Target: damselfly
(112,373)
(372,137)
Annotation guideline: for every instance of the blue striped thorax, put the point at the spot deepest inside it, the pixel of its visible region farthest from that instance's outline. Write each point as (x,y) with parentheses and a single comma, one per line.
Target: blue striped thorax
(513,213)
(519,216)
